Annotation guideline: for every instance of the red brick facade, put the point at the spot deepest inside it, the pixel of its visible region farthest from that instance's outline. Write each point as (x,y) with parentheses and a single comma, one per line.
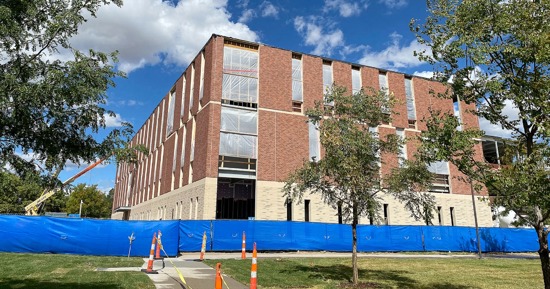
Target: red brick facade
(282,137)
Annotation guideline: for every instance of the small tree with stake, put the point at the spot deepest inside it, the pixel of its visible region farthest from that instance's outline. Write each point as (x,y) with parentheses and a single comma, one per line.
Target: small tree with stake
(348,174)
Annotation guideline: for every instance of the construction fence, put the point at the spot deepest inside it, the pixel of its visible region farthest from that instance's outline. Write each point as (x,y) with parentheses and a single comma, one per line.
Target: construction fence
(112,237)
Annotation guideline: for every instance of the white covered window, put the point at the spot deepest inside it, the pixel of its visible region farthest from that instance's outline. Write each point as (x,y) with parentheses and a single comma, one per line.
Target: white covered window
(170,120)
(297,84)
(327,79)
(240,75)
(383,84)
(456,109)
(192,88)
(238,145)
(440,183)
(239,120)
(314,142)
(182,112)
(403,148)
(411,112)
(201,84)
(355,80)
(238,132)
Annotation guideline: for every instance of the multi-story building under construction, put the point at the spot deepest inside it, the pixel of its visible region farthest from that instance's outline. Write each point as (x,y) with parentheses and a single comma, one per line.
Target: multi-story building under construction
(233,126)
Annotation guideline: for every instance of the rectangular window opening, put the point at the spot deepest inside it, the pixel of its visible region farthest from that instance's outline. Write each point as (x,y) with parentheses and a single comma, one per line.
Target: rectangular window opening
(386,214)
(340,217)
(452,211)
(288,209)
(297,106)
(439,216)
(306,210)
(235,198)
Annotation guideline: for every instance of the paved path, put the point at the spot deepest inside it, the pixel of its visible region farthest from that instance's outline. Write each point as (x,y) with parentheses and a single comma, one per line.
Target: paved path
(197,275)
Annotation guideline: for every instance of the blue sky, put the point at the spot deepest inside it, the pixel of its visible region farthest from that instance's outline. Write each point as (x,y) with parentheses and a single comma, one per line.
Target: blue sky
(157,39)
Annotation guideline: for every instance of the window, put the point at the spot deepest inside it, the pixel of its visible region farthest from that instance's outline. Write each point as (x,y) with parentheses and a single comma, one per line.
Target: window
(439,216)
(327,79)
(340,218)
(314,142)
(238,132)
(386,214)
(411,109)
(403,148)
(297,84)
(440,183)
(288,209)
(457,113)
(383,83)
(170,120)
(306,210)
(201,83)
(355,79)
(452,211)
(182,112)
(192,88)
(240,75)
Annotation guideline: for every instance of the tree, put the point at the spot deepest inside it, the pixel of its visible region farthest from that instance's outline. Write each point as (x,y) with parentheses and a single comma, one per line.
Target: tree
(495,54)
(95,203)
(348,174)
(52,108)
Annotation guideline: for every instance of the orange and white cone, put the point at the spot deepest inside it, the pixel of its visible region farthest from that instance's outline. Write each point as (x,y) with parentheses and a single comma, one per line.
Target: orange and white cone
(253,270)
(203,246)
(243,249)
(149,269)
(159,244)
(218,283)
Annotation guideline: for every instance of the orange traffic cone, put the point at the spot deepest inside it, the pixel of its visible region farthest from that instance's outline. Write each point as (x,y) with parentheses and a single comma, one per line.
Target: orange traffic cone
(218,284)
(159,244)
(149,269)
(203,246)
(253,270)
(243,249)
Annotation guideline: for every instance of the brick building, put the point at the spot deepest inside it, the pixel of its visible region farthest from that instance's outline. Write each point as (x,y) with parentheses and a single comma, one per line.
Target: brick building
(232,127)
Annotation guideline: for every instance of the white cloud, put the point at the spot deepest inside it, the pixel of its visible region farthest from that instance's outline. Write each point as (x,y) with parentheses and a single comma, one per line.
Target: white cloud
(426,74)
(323,37)
(269,10)
(394,3)
(345,8)
(148,32)
(510,111)
(247,15)
(394,56)
(113,121)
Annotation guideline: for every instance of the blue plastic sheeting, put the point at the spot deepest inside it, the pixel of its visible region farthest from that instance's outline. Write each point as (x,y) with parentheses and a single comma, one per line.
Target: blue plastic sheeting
(389,238)
(84,236)
(454,239)
(508,240)
(191,233)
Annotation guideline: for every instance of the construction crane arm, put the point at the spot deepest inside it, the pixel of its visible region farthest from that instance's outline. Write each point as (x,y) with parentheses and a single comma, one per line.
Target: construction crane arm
(32,208)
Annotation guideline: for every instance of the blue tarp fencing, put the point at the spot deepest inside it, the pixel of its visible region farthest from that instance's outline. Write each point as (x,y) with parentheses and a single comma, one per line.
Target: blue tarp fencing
(111,237)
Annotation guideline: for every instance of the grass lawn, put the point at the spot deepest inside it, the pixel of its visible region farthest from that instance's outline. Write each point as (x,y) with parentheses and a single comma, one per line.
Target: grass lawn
(417,273)
(68,272)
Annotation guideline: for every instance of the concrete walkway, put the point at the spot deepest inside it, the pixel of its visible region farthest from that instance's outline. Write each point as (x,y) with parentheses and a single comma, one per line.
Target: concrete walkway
(196,274)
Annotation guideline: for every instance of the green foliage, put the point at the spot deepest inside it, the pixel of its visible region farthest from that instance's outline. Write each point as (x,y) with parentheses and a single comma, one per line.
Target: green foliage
(16,192)
(49,107)
(496,56)
(95,203)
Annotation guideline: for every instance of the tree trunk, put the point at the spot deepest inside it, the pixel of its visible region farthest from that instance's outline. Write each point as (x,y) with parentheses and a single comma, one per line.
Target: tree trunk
(354,222)
(543,255)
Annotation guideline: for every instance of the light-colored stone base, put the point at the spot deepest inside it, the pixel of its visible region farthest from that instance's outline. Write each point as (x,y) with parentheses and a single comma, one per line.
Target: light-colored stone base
(117,216)
(270,205)
(195,201)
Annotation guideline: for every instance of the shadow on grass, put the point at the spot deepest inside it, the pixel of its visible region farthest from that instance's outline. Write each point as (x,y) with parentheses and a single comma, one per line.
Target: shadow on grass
(30,283)
(343,274)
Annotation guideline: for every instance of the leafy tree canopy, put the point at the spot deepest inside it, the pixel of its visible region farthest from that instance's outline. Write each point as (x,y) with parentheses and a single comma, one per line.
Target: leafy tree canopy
(495,54)
(52,106)
(95,204)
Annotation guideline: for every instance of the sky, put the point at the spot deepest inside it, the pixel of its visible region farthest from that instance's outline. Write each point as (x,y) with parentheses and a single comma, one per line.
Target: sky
(156,41)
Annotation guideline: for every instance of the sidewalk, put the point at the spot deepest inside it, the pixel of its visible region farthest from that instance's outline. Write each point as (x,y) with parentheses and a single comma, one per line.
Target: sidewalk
(197,274)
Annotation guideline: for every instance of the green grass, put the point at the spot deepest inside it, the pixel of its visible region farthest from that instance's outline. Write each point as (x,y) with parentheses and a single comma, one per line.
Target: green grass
(417,273)
(69,271)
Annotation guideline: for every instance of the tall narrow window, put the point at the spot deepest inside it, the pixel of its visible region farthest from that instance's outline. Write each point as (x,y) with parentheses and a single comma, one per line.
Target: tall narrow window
(182,160)
(192,88)
(383,84)
(340,216)
(306,210)
(182,111)
(386,214)
(170,120)
(327,80)
(240,76)
(355,79)
(201,83)
(457,113)
(403,148)
(439,216)
(314,143)
(191,209)
(238,132)
(174,160)
(411,108)
(297,83)
(452,211)
(192,150)
(196,208)
(288,209)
